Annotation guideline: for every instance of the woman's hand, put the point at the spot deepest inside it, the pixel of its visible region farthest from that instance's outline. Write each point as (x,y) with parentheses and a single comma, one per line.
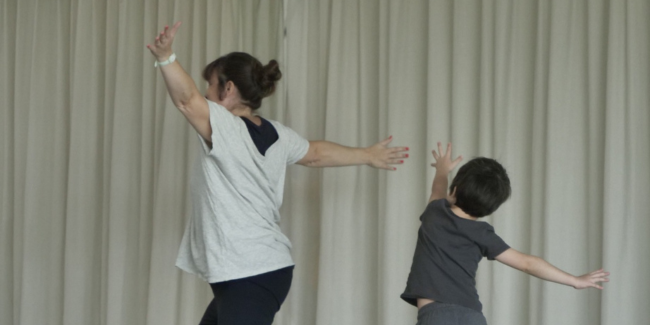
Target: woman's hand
(162,46)
(382,156)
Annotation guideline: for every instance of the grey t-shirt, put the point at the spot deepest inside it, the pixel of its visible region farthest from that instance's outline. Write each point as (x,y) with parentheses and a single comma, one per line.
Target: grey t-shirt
(236,194)
(446,257)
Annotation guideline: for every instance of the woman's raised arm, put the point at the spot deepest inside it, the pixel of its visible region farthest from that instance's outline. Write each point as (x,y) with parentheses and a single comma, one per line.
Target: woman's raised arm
(181,87)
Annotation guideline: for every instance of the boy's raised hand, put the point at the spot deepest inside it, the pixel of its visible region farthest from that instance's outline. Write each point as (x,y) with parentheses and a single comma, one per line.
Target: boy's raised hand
(591,279)
(443,163)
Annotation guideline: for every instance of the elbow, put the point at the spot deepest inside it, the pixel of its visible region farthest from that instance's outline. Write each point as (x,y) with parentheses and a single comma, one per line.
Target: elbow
(188,104)
(313,160)
(314,155)
(313,163)
(531,263)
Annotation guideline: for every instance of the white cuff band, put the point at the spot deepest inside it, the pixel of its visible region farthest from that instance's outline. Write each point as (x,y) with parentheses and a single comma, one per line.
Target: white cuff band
(171,59)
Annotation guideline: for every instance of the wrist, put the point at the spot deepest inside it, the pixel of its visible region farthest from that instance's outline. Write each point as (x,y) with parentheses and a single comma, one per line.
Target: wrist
(366,156)
(441,174)
(573,282)
(163,56)
(164,60)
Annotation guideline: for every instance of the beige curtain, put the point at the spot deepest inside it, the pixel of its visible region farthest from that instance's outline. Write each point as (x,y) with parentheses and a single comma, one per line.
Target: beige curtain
(94,158)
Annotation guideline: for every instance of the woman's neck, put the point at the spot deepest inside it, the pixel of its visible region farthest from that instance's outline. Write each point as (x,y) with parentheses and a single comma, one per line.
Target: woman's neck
(246,112)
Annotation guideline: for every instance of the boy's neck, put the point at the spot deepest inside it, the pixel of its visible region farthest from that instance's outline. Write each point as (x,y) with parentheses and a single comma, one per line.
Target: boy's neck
(459,212)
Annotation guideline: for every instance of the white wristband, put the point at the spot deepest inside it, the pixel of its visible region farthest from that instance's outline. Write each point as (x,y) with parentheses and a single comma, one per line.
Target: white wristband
(171,59)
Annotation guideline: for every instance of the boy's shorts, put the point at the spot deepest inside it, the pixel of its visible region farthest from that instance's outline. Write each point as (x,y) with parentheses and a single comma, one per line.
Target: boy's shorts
(438,313)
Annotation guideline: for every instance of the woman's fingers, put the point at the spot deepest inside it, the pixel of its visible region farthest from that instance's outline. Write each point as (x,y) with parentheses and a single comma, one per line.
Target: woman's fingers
(397,149)
(167,34)
(386,141)
(172,31)
(387,167)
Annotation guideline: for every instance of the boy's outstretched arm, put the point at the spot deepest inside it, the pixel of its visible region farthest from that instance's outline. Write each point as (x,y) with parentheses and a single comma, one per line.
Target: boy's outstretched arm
(330,154)
(542,269)
(443,166)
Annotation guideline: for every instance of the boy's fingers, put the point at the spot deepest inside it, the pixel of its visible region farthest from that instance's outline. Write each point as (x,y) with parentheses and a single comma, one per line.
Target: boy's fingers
(448,149)
(600,273)
(440,148)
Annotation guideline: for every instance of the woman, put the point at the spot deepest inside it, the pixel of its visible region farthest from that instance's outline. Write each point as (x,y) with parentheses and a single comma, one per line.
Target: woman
(233,240)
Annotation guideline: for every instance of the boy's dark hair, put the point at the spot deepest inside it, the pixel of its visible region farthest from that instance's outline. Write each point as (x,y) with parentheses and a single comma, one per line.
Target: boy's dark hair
(482,185)
(253,80)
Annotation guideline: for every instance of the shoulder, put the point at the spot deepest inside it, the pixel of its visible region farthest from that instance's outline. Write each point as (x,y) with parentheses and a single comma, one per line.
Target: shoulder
(216,108)
(439,205)
(285,132)
(278,126)
(436,208)
(220,115)
(483,231)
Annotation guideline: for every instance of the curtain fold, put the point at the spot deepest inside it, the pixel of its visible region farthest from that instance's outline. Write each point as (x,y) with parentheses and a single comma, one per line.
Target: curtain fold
(95,159)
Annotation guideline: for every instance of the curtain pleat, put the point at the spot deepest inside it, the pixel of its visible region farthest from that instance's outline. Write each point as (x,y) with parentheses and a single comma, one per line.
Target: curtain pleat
(95,159)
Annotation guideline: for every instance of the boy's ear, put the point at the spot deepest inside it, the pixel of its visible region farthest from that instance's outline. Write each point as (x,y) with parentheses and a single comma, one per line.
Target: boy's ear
(452,196)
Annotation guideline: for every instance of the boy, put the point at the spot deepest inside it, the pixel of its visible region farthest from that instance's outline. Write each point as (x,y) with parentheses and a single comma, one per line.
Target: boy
(451,243)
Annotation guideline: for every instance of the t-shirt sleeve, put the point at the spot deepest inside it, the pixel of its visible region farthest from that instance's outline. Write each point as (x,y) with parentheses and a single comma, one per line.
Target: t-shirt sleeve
(296,147)
(491,244)
(224,128)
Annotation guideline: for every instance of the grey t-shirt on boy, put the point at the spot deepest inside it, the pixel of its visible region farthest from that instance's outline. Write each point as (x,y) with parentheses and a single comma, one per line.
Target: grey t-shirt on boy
(236,194)
(446,257)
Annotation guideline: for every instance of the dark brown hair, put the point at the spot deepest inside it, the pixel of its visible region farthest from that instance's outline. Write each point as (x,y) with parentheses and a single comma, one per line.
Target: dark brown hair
(253,80)
(482,185)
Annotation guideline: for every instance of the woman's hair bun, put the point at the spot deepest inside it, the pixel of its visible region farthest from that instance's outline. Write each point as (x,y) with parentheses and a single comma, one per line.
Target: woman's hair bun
(269,75)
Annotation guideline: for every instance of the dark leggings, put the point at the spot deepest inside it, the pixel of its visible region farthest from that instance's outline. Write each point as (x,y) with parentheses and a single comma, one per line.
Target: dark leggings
(248,301)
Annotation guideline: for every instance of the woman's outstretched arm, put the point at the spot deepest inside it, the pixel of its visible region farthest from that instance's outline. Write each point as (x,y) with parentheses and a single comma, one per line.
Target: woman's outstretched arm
(329,154)
(181,87)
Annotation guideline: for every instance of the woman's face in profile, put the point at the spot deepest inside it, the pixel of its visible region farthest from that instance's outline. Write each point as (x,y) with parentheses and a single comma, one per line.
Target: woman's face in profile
(212,93)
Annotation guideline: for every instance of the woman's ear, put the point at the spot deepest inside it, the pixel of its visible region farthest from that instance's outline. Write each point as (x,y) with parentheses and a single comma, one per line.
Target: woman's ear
(230,90)
(230,86)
